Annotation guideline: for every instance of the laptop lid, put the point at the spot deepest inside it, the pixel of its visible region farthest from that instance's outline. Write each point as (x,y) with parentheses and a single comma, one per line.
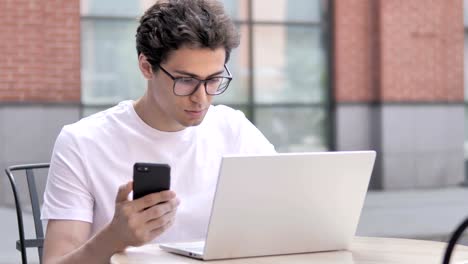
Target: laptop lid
(287,203)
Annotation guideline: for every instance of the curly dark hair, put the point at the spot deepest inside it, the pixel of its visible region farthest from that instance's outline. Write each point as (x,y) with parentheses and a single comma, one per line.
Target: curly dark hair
(171,24)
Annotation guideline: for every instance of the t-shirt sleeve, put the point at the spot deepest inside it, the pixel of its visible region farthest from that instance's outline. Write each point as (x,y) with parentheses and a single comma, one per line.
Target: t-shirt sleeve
(250,139)
(67,195)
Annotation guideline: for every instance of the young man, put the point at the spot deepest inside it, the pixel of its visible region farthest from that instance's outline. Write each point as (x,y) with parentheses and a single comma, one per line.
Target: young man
(183,47)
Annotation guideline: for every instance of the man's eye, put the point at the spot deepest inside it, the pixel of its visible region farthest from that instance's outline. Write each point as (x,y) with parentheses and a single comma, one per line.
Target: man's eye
(187,80)
(214,80)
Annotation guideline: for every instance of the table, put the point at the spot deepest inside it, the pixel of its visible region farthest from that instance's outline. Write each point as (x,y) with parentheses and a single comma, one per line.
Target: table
(364,250)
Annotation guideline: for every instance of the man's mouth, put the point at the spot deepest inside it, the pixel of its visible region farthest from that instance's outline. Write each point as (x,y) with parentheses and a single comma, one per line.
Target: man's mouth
(195,113)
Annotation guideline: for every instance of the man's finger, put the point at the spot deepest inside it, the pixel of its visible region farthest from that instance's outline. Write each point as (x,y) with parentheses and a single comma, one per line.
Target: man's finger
(124,190)
(153,199)
(158,231)
(161,209)
(161,221)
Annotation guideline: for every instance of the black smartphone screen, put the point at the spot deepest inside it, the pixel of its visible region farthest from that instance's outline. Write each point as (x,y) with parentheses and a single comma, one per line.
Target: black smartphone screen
(150,178)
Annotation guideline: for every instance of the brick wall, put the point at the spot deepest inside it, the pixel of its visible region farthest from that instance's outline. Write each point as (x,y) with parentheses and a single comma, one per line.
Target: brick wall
(398,51)
(352,51)
(422,55)
(39,51)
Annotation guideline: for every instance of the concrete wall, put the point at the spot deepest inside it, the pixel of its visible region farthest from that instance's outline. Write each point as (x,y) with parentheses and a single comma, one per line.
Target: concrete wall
(418,146)
(358,128)
(27,135)
(422,146)
(40,86)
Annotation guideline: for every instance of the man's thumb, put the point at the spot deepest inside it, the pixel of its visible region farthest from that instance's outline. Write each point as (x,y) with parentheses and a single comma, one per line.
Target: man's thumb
(123,192)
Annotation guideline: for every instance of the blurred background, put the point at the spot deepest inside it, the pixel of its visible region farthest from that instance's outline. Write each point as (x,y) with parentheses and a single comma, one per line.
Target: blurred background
(312,75)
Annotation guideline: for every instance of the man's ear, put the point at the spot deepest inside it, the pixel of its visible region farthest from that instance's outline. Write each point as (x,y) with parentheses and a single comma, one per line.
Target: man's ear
(145,67)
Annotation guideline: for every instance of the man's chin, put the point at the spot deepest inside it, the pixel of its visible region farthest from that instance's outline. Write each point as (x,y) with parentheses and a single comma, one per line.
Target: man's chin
(193,122)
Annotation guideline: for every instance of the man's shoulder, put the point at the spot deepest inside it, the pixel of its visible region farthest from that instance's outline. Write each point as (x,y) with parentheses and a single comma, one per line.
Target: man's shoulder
(99,122)
(226,113)
(224,119)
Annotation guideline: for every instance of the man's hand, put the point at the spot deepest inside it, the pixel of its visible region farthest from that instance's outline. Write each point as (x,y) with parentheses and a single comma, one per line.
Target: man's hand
(134,223)
(140,221)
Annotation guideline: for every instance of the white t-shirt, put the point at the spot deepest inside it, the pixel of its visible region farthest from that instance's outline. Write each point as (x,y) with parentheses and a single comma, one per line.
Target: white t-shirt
(95,155)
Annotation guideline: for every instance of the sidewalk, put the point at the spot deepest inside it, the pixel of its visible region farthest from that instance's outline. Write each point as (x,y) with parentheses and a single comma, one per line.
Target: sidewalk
(421,214)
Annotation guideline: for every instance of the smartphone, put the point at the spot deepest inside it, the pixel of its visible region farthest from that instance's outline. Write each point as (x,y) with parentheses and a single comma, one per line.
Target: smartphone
(150,178)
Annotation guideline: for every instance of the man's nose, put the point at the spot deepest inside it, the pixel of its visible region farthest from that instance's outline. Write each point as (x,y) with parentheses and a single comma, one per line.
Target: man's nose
(200,95)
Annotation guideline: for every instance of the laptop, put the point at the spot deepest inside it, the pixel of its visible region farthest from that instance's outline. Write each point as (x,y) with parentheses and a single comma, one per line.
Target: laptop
(284,204)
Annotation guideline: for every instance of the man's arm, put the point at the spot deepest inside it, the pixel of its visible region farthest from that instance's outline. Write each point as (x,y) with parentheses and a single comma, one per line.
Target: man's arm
(65,243)
(134,223)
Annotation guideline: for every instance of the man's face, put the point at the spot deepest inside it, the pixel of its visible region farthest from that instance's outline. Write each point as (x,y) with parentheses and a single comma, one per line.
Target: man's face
(177,112)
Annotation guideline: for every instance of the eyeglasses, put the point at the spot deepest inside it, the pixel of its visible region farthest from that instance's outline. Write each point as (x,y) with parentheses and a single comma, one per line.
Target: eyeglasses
(184,86)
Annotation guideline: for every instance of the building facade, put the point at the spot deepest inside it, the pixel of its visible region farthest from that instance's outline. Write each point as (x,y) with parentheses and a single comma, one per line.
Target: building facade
(312,75)
(399,88)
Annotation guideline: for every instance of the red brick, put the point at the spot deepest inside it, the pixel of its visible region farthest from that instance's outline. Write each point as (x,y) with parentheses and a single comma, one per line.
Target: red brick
(398,51)
(353,63)
(36,30)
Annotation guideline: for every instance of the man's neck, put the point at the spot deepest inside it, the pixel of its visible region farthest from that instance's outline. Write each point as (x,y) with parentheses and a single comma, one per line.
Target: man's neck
(152,115)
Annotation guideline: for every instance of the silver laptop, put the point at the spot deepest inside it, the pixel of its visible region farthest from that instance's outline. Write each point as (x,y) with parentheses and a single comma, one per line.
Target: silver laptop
(284,204)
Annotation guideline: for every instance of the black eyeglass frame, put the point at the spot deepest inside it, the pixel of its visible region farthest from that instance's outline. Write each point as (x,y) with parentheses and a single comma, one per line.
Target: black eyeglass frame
(175,79)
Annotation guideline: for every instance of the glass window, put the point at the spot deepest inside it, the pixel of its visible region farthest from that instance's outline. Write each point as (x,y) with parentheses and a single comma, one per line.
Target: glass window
(290,64)
(294,129)
(283,10)
(237,9)
(283,66)
(109,61)
(237,93)
(118,8)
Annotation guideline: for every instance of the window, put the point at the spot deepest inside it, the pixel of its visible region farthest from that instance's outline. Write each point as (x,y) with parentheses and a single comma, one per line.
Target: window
(280,69)
(109,72)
